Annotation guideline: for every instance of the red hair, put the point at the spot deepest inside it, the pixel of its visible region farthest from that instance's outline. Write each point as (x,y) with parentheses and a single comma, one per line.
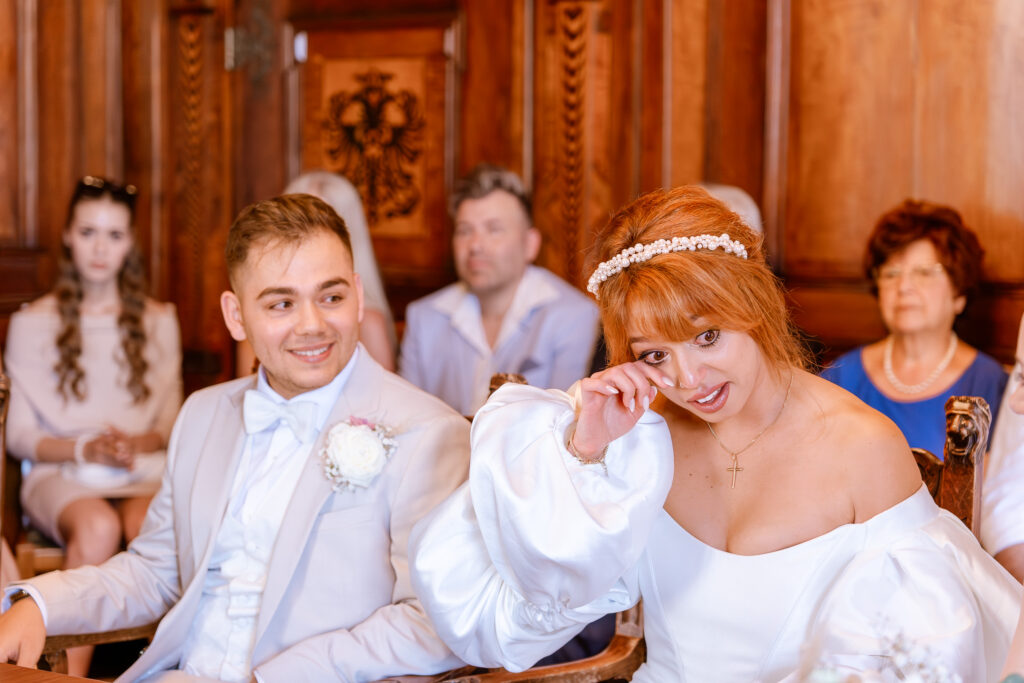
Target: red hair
(957,246)
(662,296)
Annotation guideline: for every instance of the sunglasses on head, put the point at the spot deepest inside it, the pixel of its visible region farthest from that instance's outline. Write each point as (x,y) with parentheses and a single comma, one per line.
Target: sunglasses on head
(94,186)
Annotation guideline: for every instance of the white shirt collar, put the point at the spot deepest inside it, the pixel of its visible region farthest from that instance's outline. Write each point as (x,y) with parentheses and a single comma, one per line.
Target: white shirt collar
(323,397)
(535,289)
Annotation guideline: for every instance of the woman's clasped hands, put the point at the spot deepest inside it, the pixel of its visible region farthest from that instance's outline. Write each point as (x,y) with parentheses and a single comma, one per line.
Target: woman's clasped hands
(611,403)
(111,447)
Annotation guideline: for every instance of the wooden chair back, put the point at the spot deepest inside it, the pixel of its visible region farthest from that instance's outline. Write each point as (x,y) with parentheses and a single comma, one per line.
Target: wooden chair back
(8,569)
(955,482)
(33,552)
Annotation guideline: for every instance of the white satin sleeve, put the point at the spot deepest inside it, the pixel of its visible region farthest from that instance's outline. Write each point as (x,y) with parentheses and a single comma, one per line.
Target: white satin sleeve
(931,602)
(536,545)
(1002,502)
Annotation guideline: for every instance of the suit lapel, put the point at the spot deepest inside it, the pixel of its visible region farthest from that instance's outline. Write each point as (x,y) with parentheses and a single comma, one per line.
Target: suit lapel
(215,473)
(359,398)
(211,484)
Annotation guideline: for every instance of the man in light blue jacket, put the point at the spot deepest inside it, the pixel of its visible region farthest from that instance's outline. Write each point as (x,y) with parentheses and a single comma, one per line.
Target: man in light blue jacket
(504,314)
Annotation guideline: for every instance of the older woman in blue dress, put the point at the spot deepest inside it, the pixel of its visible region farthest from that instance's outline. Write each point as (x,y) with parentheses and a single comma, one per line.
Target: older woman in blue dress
(923,263)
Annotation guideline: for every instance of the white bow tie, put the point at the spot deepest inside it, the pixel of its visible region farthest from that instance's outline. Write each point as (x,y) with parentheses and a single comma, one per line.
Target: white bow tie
(260,412)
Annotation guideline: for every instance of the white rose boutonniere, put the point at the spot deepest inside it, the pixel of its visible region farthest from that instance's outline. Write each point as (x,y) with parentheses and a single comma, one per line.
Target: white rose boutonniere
(355,453)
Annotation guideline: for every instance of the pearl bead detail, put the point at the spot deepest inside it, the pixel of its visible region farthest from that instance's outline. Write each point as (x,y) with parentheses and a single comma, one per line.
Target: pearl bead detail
(639,253)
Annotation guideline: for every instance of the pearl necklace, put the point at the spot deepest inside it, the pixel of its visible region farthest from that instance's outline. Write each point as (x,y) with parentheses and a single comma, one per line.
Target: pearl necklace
(735,455)
(926,382)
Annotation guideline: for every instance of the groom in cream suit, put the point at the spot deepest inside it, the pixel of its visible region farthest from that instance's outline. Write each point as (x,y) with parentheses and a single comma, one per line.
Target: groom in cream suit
(276,547)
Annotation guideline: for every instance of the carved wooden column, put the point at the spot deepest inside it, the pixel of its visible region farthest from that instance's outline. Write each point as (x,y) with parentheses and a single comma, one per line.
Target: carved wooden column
(198,205)
(566,74)
(585,134)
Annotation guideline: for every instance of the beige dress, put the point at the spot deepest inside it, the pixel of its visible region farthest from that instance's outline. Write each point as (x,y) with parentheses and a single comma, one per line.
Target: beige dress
(37,410)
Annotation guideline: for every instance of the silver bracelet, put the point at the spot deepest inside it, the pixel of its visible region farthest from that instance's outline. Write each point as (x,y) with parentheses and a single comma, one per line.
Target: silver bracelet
(80,443)
(576,454)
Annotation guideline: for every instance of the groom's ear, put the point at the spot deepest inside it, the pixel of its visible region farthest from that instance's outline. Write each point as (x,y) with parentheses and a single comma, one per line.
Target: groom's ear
(231,309)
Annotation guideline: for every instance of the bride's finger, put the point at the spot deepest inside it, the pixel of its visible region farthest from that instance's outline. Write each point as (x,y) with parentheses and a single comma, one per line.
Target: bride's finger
(598,386)
(625,385)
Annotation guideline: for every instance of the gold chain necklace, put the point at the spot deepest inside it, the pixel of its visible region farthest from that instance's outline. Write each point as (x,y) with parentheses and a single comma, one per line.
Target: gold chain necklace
(735,455)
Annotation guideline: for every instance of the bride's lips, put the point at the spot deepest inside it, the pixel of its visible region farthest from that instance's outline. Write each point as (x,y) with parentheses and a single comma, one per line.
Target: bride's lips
(712,400)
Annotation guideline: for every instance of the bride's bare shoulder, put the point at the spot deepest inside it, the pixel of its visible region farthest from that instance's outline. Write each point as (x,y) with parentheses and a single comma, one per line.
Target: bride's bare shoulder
(868,450)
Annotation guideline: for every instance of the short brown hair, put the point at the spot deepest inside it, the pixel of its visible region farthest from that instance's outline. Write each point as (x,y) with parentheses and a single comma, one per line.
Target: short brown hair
(288,219)
(662,295)
(485,179)
(959,250)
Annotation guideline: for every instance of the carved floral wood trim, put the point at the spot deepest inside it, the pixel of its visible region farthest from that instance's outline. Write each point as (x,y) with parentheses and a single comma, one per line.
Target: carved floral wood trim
(375,133)
(190,54)
(198,198)
(573,19)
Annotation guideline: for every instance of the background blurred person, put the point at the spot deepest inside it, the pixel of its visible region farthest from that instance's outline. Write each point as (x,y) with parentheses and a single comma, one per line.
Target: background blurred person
(504,314)
(95,369)
(924,263)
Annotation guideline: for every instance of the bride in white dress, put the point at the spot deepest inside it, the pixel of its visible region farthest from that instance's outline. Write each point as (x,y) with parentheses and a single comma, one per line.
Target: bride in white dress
(775,526)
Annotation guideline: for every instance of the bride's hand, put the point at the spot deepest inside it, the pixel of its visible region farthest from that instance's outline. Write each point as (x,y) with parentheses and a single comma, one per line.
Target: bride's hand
(611,403)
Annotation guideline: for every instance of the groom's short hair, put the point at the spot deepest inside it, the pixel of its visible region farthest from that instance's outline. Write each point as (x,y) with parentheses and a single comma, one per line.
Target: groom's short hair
(288,219)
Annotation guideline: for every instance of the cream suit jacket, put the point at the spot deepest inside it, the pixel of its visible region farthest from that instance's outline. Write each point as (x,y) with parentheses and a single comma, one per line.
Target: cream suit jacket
(338,603)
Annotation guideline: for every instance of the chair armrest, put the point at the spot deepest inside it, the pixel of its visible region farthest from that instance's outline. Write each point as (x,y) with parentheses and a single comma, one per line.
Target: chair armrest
(56,647)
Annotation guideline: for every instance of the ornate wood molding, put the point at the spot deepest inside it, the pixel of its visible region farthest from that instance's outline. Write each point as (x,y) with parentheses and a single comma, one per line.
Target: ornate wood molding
(189,77)
(198,202)
(573,19)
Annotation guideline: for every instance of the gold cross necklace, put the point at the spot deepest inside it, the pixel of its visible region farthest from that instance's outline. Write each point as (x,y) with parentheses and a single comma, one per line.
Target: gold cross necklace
(735,455)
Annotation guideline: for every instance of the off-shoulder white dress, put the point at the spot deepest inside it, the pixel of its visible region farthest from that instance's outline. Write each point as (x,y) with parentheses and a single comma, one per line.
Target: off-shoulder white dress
(535,545)
(37,410)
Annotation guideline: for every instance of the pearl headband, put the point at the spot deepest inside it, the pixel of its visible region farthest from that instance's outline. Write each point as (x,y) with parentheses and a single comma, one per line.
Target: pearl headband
(639,253)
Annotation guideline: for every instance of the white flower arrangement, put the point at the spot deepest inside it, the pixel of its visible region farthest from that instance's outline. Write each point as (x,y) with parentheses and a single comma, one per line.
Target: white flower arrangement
(902,660)
(355,453)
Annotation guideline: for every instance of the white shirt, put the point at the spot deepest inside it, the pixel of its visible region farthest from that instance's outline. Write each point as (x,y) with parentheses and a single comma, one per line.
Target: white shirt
(547,335)
(220,646)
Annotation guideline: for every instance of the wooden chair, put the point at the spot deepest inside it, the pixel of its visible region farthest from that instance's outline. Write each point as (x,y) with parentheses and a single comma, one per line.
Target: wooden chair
(955,482)
(34,555)
(623,656)
(33,552)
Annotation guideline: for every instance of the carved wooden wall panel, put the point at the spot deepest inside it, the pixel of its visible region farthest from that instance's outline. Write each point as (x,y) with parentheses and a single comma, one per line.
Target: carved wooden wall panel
(59,111)
(258,84)
(870,117)
(378,106)
(144,136)
(572,175)
(625,103)
(969,131)
(735,94)
(686,65)
(493,86)
(10,216)
(45,154)
(199,187)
